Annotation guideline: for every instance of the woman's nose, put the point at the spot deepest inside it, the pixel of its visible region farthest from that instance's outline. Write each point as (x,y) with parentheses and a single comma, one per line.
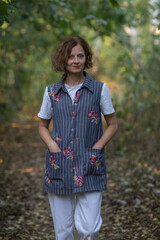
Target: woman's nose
(76,59)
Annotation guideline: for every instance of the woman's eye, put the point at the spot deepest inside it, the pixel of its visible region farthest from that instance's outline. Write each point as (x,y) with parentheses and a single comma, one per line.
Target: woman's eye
(70,57)
(81,55)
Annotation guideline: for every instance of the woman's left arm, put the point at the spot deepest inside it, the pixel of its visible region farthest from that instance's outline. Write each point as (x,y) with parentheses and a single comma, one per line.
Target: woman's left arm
(109,132)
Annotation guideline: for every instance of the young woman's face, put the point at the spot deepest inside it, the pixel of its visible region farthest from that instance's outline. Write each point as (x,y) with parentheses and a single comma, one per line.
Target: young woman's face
(76,60)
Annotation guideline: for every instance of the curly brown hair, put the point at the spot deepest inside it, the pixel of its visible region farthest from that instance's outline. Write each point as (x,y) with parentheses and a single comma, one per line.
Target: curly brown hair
(63,50)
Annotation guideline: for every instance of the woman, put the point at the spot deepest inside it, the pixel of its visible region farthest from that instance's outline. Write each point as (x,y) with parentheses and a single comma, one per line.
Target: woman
(75,165)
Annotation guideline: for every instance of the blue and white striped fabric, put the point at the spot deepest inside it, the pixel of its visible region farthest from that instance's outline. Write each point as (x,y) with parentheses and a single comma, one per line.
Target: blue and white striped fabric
(76,128)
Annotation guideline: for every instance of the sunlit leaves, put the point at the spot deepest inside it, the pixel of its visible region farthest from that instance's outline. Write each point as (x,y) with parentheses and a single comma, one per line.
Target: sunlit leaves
(7,7)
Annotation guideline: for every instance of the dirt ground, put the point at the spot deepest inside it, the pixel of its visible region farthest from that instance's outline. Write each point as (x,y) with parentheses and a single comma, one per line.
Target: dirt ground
(130,207)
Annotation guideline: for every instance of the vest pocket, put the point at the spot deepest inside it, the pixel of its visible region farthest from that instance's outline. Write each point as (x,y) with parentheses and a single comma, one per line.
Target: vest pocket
(94,162)
(54,164)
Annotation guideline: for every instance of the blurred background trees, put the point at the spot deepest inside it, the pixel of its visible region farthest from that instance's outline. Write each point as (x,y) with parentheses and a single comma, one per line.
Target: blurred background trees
(124,36)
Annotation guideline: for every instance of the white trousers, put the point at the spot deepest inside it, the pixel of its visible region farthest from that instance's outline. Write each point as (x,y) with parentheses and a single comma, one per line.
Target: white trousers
(81,210)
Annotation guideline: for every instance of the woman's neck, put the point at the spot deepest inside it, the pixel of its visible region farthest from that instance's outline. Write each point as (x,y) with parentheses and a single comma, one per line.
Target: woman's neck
(74,79)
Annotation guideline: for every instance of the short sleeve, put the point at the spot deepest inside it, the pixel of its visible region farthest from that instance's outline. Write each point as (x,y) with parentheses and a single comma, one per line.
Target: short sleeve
(106,102)
(46,108)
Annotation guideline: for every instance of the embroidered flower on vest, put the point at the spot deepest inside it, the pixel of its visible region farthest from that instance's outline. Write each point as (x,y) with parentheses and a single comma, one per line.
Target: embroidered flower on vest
(93,117)
(76,97)
(59,138)
(51,93)
(76,139)
(68,153)
(57,97)
(78,180)
(47,179)
(53,162)
(93,161)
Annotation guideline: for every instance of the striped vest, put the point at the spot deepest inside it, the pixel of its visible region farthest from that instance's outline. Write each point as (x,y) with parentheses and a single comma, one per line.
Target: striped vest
(76,128)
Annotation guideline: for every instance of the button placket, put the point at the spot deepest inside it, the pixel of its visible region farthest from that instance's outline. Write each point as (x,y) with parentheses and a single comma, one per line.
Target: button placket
(73,122)
(73,114)
(74,106)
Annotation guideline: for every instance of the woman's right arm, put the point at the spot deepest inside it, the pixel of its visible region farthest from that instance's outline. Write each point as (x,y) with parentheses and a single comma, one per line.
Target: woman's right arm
(45,135)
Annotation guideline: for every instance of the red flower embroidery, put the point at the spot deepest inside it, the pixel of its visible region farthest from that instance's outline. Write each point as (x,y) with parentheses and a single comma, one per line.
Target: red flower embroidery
(57,97)
(47,179)
(93,161)
(68,153)
(76,97)
(59,138)
(93,116)
(53,162)
(76,138)
(78,180)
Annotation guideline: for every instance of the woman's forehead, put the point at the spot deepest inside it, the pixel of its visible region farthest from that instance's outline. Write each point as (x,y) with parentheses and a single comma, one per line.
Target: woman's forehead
(77,49)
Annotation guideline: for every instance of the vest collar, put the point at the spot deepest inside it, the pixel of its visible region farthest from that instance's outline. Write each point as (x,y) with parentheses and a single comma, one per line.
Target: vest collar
(88,83)
(60,85)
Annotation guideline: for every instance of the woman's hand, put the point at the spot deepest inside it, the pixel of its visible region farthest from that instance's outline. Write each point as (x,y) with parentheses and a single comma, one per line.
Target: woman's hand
(97,146)
(108,133)
(53,147)
(45,135)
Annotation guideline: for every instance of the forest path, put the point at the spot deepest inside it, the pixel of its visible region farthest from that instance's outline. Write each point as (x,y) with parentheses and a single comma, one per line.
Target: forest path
(130,207)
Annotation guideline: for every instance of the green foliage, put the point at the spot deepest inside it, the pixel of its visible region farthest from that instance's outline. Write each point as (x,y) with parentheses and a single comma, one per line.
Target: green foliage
(29,33)
(114,3)
(6,9)
(124,36)
(140,72)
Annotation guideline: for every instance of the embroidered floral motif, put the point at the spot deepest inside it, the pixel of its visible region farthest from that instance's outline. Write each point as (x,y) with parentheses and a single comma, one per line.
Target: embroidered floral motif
(57,97)
(53,162)
(78,180)
(93,116)
(93,161)
(76,97)
(59,138)
(51,93)
(76,138)
(68,153)
(47,179)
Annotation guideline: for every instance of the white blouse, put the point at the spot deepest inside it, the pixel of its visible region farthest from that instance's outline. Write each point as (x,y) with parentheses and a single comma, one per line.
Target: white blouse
(105,102)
